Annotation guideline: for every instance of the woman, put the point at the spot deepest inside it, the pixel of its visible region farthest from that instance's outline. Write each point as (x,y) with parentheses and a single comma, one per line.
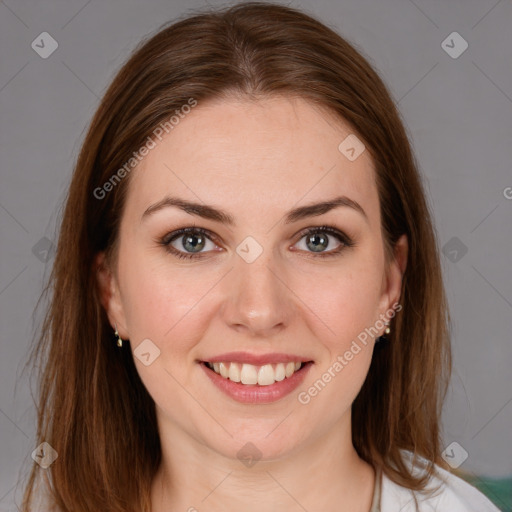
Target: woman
(247,305)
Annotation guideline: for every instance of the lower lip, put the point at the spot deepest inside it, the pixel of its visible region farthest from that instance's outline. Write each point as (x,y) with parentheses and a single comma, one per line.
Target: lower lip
(255,394)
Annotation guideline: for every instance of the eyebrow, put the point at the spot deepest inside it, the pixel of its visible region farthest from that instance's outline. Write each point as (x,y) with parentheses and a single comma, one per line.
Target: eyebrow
(218,215)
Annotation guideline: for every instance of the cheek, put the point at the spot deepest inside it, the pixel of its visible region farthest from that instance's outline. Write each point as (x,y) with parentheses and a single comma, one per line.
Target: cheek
(347,304)
(169,306)
(344,300)
(164,302)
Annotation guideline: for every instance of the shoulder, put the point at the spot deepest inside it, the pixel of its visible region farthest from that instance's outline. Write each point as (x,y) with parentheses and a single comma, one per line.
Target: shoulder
(449,494)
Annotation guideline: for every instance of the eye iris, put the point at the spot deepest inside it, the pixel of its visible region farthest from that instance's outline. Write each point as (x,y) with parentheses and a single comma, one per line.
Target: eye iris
(189,244)
(316,240)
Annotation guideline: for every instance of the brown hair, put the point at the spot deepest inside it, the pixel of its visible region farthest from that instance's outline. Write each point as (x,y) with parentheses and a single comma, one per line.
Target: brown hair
(92,406)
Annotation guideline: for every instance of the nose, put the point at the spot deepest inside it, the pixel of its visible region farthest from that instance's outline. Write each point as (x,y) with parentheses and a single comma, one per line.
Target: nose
(258,299)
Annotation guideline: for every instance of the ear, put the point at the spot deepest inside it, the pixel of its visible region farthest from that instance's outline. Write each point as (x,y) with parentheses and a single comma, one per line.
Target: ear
(392,284)
(109,294)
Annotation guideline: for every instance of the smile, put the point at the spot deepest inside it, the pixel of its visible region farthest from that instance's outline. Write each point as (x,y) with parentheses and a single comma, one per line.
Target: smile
(256,383)
(250,374)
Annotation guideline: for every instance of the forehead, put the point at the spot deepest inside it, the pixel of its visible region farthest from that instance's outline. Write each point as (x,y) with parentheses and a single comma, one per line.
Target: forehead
(254,157)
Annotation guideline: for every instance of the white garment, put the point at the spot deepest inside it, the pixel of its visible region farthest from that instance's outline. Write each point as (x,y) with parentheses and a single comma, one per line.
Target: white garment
(453,495)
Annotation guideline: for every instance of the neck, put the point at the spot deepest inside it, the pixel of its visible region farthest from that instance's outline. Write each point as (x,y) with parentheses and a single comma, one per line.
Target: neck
(326,474)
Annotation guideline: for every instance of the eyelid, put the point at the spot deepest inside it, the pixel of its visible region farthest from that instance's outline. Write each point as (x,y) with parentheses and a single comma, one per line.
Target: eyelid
(171,236)
(331,230)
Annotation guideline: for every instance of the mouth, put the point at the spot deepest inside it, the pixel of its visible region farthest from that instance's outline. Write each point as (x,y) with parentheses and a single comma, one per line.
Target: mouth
(252,383)
(251,375)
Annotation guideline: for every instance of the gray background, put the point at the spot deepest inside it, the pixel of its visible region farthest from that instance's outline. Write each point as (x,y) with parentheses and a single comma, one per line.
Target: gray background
(458,112)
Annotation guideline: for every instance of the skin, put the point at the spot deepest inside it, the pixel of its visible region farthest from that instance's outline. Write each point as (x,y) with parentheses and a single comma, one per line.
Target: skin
(256,160)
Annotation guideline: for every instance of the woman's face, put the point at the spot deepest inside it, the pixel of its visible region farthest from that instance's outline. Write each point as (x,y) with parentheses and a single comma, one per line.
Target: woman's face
(258,286)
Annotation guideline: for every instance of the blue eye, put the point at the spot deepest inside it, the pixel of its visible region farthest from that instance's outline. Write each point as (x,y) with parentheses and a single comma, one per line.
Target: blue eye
(318,238)
(192,241)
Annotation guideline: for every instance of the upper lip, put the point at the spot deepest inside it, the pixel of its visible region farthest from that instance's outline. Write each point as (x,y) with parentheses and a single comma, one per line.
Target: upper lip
(256,359)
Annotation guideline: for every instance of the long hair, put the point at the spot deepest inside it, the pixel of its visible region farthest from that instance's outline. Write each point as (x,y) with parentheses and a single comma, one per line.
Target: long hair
(93,409)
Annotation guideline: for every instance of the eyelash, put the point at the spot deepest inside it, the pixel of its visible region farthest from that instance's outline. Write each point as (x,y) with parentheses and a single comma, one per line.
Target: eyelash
(170,237)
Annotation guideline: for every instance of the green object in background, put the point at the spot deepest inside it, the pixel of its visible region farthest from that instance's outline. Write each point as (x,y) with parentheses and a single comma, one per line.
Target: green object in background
(498,490)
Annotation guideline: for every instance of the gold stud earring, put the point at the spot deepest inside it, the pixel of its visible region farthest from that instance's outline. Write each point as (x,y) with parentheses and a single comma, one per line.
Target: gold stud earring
(119,340)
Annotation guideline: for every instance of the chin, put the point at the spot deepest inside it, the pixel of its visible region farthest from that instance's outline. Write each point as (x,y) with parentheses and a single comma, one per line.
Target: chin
(262,440)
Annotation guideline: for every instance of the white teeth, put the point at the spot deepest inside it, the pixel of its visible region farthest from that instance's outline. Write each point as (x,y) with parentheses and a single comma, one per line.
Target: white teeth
(280,372)
(223,370)
(234,372)
(250,374)
(266,375)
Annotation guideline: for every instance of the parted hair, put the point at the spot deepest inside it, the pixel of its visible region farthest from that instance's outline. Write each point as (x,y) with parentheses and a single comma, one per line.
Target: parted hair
(92,407)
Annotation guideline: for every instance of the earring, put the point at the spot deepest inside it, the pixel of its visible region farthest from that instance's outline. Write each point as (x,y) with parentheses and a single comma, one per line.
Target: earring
(119,340)
(383,337)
